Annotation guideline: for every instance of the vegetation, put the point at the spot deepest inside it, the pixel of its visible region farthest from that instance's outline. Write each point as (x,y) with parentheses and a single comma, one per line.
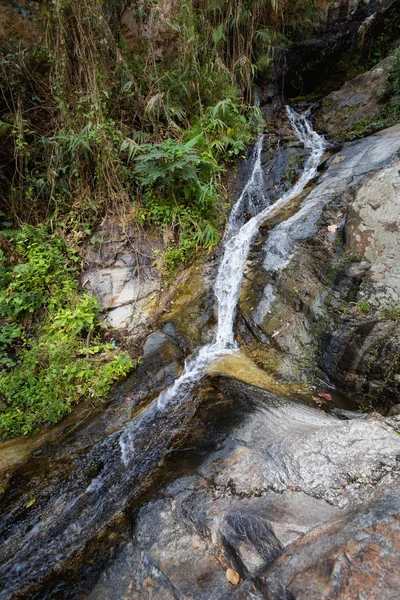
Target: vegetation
(391,312)
(363,306)
(50,342)
(91,126)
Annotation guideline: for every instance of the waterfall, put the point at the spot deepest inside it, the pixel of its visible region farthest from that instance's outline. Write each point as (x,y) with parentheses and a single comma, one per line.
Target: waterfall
(237,245)
(252,196)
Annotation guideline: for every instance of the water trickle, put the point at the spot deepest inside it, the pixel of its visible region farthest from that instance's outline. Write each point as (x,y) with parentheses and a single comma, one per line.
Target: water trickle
(238,240)
(252,199)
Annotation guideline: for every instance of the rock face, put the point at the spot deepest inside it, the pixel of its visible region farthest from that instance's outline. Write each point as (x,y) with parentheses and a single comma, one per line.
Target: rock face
(328,275)
(345,10)
(24,21)
(346,35)
(358,99)
(150,22)
(363,351)
(274,505)
(373,232)
(120,271)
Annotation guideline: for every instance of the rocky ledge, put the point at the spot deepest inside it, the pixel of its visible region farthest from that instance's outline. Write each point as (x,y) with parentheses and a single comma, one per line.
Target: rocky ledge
(323,285)
(293,503)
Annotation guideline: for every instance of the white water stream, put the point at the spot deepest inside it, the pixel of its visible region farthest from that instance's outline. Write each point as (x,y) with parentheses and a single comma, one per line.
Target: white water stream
(237,246)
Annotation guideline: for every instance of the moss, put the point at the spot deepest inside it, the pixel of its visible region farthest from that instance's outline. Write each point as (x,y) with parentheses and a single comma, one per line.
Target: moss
(364,127)
(187,306)
(242,367)
(312,97)
(327,103)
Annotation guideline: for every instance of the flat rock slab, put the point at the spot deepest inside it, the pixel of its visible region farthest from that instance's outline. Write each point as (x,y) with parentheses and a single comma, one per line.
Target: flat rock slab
(290,490)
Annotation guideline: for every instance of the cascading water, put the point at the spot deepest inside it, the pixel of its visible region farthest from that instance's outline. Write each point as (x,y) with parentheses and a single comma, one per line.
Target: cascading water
(109,462)
(252,199)
(237,246)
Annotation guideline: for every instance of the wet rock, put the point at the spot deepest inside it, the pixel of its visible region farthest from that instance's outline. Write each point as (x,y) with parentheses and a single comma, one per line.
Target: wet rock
(345,30)
(347,414)
(362,354)
(331,465)
(270,505)
(282,170)
(354,558)
(344,10)
(303,272)
(159,365)
(83,480)
(190,312)
(155,344)
(362,350)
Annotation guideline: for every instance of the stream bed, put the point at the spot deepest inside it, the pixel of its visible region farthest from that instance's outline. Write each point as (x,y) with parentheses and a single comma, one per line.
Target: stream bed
(252,481)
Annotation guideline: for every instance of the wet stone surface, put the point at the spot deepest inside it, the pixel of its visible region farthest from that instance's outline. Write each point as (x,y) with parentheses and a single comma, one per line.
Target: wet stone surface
(310,275)
(237,492)
(270,504)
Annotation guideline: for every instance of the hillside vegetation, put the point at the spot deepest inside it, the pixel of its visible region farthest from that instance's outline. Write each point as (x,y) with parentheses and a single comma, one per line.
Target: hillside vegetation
(92,127)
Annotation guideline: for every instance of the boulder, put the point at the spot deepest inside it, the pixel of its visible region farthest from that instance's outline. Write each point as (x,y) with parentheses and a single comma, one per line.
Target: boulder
(358,100)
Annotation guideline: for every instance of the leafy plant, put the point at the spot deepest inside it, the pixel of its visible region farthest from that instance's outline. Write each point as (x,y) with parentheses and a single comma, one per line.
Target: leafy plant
(88,128)
(60,357)
(42,278)
(228,128)
(9,334)
(170,162)
(363,306)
